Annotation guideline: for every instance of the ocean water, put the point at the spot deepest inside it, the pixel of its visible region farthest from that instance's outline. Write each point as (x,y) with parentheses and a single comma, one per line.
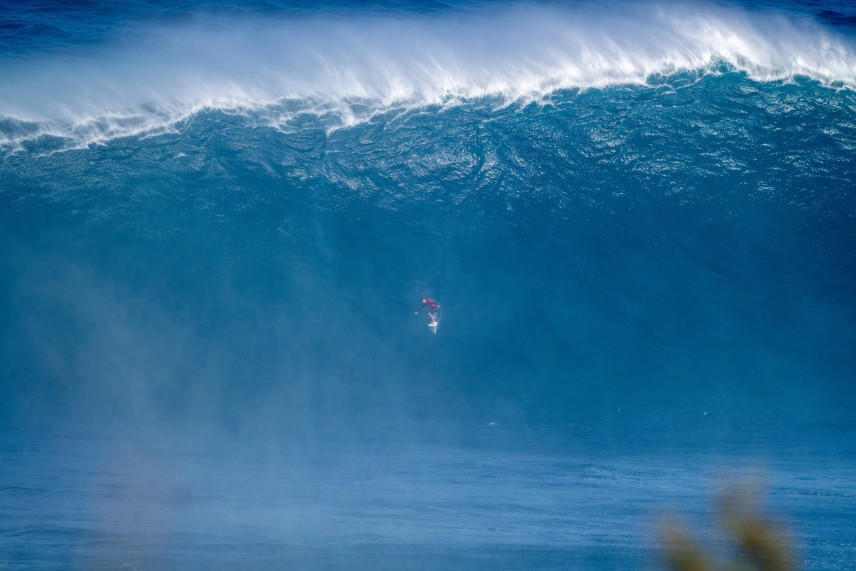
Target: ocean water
(217,220)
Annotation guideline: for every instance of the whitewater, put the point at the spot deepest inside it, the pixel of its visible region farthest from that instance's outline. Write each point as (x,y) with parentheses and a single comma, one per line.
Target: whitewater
(354,68)
(217,219)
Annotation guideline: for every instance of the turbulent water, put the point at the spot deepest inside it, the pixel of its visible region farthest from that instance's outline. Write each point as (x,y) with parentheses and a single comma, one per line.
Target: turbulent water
(216,221)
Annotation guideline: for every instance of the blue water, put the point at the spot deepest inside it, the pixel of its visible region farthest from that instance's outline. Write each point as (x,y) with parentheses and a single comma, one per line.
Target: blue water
(217,219)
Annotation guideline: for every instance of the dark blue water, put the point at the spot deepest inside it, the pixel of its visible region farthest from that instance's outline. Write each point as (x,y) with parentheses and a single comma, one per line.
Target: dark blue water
(217,219)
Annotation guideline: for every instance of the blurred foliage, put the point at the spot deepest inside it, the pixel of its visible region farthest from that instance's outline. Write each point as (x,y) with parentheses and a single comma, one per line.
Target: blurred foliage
(754,543)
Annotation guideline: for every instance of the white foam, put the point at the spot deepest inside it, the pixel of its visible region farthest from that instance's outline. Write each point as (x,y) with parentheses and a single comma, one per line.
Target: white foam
(355,67)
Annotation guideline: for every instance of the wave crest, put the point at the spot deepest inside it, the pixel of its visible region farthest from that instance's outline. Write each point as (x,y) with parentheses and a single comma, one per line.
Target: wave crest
(349,69)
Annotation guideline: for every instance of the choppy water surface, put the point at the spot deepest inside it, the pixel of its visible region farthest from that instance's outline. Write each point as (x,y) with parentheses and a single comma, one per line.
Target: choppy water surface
(216,221)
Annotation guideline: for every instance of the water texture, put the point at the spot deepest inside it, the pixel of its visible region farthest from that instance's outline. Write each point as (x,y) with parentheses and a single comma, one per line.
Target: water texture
(217,219)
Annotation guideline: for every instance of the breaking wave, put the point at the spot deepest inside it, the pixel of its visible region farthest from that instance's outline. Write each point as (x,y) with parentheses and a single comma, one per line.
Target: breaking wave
(348,69)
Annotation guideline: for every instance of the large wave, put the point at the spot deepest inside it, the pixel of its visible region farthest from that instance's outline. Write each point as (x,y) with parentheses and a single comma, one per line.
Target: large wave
(349,68)
(620,245)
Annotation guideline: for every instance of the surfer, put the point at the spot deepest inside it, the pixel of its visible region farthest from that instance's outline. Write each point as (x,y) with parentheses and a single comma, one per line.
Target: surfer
(432,306)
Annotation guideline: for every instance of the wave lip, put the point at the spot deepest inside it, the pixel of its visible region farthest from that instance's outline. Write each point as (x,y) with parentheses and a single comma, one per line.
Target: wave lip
(356,67)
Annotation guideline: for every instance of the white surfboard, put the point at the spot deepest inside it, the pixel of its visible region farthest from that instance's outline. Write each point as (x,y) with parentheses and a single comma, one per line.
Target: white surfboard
(433,327)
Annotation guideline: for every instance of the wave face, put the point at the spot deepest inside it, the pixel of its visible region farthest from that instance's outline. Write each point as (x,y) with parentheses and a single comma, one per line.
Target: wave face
(217,220)
(645,211)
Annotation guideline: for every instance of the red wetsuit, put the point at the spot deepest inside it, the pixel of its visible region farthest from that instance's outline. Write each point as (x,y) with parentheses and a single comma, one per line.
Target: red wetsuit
(430,304)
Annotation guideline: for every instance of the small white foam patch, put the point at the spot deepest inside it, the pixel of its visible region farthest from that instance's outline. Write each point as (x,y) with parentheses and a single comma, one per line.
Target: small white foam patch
(355,67)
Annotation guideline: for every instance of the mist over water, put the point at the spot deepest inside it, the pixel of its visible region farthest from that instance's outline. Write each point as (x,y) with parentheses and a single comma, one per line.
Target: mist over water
(214,231)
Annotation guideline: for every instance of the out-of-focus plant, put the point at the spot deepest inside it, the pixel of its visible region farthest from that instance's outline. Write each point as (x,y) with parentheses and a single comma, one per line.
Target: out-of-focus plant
(755,542)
